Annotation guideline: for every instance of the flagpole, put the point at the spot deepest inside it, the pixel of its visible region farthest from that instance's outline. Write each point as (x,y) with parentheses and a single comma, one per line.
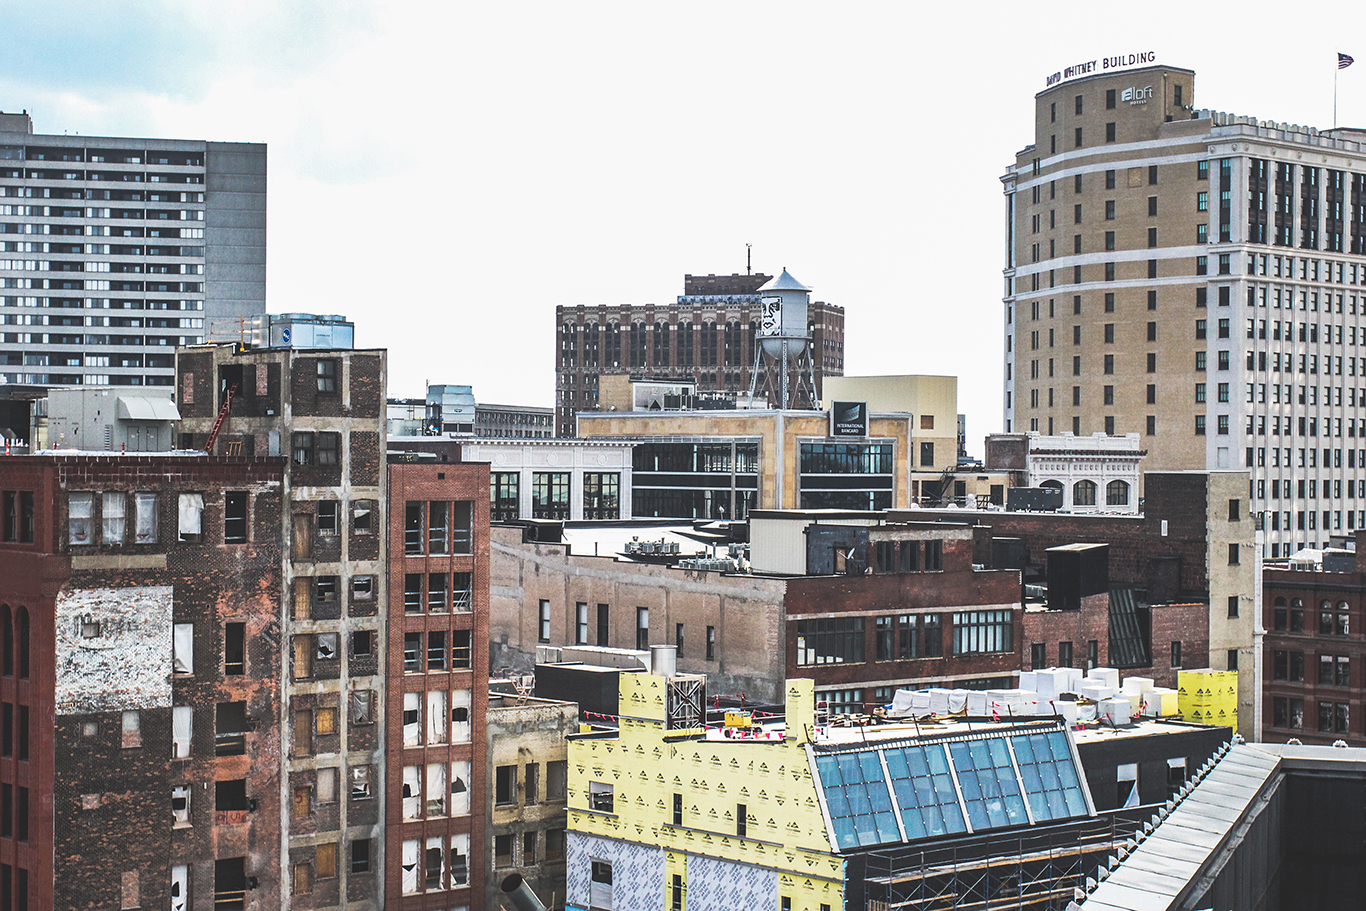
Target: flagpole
(1335,93)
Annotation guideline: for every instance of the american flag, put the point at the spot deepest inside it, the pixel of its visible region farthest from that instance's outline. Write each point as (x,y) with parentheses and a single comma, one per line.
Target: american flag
(1344,61)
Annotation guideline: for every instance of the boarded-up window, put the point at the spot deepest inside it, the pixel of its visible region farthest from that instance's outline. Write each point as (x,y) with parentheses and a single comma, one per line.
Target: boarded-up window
(303,657)
(303,536)
(145,518)
(303,597)
(327,861)
(191,513)
(302,879)
(302,804)
(303,732)
(182,726)
(326,720)
(182,649)
(112,517)
(81,506)
(327,787)
(187,388)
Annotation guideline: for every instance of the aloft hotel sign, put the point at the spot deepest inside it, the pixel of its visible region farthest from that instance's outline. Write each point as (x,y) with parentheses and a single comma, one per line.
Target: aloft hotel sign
(1117,62)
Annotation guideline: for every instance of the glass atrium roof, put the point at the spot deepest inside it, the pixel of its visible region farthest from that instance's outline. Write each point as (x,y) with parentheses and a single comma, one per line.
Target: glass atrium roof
(907,791)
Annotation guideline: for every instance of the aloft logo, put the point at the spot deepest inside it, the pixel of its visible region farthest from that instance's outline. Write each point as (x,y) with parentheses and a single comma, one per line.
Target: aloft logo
(1136,95)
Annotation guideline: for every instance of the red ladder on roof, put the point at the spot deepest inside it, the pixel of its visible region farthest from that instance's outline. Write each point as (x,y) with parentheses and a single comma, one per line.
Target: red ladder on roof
(222,416)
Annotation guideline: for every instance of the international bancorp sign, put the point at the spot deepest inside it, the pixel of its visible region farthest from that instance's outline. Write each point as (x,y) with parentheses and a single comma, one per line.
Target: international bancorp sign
(849,419)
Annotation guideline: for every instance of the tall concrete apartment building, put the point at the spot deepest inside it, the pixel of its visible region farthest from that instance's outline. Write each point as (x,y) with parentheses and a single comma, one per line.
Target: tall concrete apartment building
(324,410)
(114,251)
(1198,278)
(706,335)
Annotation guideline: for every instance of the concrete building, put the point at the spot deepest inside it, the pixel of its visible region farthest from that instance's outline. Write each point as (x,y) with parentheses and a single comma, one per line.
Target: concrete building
(708,334)
(528,763)
(114,251)
(324,409)
(519,422)
(1195,277)
(140,675)
(566,480)
(722,464)
(435,803)
(1095,474)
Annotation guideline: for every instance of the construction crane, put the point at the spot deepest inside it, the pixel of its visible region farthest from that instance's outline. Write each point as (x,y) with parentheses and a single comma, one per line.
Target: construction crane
(222,417)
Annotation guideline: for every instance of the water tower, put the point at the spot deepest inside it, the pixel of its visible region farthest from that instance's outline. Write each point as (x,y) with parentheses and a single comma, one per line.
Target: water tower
(783,356)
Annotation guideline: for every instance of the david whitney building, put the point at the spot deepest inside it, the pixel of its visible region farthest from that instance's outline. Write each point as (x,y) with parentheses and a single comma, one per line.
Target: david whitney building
(1198,278)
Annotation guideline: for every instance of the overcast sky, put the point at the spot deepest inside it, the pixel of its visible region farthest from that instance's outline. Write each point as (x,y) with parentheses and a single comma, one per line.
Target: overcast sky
(445,174)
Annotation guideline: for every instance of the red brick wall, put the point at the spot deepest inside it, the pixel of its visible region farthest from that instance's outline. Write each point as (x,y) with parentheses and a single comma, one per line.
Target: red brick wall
(426,482)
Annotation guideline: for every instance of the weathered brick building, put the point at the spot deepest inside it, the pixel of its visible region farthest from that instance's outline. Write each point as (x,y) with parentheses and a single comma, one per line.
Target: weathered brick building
(437,684)
(1314,653)
(324,409)
(140,660)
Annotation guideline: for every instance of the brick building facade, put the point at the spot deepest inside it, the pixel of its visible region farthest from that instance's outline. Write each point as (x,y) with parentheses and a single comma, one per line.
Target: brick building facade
(707,335)
(1314,653)
(324,409)
(438,582)
(141,664)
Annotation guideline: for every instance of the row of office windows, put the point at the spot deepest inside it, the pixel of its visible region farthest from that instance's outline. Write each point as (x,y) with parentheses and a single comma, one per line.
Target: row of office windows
(595,628)
(841,640)
(551,493)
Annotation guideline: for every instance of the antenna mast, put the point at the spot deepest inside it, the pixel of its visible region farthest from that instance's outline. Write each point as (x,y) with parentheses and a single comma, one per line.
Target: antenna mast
(748,270)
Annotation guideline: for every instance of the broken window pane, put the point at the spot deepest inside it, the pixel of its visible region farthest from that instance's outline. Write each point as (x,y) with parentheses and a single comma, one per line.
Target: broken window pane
(360,782)
(327,646)
(361,706)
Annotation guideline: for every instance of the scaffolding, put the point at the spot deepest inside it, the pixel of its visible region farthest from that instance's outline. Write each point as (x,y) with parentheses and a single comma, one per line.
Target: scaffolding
(1038,870)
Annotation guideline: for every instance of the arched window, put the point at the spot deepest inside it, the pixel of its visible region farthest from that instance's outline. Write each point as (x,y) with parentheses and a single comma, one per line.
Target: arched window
(590,345)
(7,630)
(661,344)
(22,631)
(638,344)
(1084,493)
(1117,493)
(613,356)
(685,344)
(569,343)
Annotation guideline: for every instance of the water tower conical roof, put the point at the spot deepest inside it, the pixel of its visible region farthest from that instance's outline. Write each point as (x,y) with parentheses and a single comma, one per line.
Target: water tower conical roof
(784,282)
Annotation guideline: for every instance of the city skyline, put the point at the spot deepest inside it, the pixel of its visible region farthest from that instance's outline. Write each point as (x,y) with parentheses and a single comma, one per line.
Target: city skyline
(497,162)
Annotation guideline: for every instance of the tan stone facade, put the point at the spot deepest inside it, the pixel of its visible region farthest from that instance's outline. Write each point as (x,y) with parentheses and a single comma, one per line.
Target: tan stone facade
(1198,278)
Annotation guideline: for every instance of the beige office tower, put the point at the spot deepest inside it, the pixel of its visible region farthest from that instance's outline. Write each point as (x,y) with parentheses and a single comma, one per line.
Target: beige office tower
(1198,278)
